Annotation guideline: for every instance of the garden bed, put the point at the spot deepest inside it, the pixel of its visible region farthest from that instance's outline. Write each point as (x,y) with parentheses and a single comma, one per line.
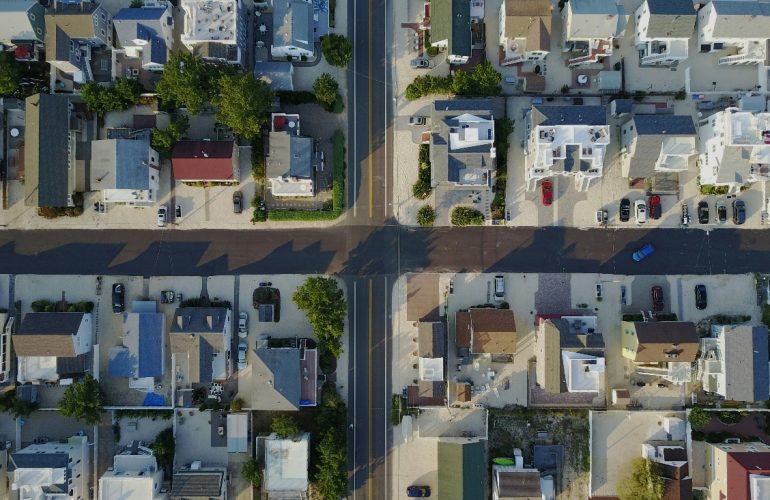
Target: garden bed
(265,295)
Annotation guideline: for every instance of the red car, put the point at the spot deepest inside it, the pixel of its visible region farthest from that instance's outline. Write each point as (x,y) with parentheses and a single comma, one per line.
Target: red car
(653,206)
(657,298)
(547,190)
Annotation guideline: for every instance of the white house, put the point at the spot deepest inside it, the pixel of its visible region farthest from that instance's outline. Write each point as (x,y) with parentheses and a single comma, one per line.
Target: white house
(663,31)
(286,467)
(652,144)
(734,148)
(570,141)
(290,168)
(145,33)
(293,30)
(39,470)
(126,170)
(134,475)
(53,346)
(525,31)
(215,29)
(589,28)
(739,27)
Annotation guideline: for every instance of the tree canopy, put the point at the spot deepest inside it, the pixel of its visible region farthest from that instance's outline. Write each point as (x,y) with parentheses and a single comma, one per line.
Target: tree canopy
(426,216)
(337,50)
(644,482)
(121,95)
(325,89)
(243,103)
(83,401)
(699,418)
(464,216)
(252,471)
(10,73)
(324,303)
(188,81)
(163,140)
(483,81)
(164,448)
(285,426)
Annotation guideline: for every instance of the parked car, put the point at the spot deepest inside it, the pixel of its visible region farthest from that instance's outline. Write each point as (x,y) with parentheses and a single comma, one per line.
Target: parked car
(421,63)
(243,324)
(242,348)
(739,212)
(721,212)
(547,193)
(178,212)
(237,202)
(640,211)
(701,299)
(418,491)
(499,288)
(644,252)
(654,207)
(657,298)
(417,120)
(118,298)
(162,215)
(625,210)
(703,212)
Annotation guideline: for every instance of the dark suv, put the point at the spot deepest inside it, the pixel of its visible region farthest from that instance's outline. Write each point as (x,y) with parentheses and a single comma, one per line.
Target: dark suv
(703,212)
(701,300)
(118,298)
(739,212)
(625,210)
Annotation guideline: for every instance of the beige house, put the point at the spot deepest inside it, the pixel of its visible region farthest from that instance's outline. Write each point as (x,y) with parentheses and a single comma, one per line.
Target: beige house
(664,349)
(200,345)
(525,31)
(738,471)
(486,331)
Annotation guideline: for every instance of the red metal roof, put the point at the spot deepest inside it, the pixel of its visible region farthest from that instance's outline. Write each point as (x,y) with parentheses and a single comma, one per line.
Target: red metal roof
(203,160)
(739,466)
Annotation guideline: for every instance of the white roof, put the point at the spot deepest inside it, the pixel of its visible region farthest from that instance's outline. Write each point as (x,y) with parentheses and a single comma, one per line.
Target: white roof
(432,369)
(237,433)
(583,372)
(37,368)
(126,486)
(209,20)
(286,464)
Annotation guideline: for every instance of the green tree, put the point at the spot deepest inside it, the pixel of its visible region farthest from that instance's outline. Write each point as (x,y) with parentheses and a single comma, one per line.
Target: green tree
(243,103)
(331,475)
(337,50)
(252,472)
(23,409)
(464,216)
(83,401)
(326,309)
(326,89)
(188,81)
(699,418)
(462,83)
(644,481)
(486,81)
(10,73)
(426,216)
(163,140)
(164,448)
(121,95)
(285,426)
(136,4)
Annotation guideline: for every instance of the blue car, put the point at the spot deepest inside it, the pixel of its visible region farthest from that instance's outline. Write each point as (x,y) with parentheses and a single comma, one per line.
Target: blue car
(644,252)
(418,491)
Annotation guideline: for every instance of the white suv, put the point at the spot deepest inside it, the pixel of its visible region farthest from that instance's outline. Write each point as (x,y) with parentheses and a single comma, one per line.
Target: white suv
(640,209)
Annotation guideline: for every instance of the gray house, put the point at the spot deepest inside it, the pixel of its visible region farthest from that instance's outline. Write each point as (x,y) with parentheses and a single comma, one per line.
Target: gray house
(657,144)
(284,378)
(145,34)
(292,29)
(289,167)
(734,362)
(450,29)
(21,21)
(52,173)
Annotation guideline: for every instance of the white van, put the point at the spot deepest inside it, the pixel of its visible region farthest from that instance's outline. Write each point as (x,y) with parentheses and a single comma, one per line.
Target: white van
(499,288)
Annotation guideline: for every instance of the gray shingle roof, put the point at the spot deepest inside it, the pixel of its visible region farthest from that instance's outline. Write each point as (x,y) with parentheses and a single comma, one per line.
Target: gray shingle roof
(451,21)
(671,7)
(671,18)
(569,115)
(194,484)
(39,460)
(121,163)
(50,323)
(741,19)
(747,372)
(293,24)
(290,155)
(199,320)
(664,124)
(276,379)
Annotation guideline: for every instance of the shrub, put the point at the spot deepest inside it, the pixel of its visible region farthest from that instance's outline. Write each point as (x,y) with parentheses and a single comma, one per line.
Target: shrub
(730,417)
(337,50)
(422,188)
(426,216)
(565,89)
(296,97)
(236,404)
(639,95)
(680,95)
(464,216)
(326,89)
(285,426)
(41,305)
(338,174)
(699,418)
(302,215)
(252,472)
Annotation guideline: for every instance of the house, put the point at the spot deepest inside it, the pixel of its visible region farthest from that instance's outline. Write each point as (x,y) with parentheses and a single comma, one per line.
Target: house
(126,170)
(238,425)
(59,470)
(141,357)
(462,147)
(53,346)
(72,31)
(198,482)
(570,141)
(284,378)
(741,28)
(734,362)
(461,468)
(200,342)
(661,348)
(738,471)
(286,467)
(525,31)
(430,389)
(216,30)
(52,173)
(279,75)
(22,21)
(570,355)
(145,34)
(516,482)
(734,148)
(663,31)
(674,467)
(293,31)
(204,161)
(450,29)
(134,475)
(486,331)
(590,28)
(289,164)
(657,144)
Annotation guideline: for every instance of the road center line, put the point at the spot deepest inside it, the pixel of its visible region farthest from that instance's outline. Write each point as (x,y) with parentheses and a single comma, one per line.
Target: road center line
(370,477)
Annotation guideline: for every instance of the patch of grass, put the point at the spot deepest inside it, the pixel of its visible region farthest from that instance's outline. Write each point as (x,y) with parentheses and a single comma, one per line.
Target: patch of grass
(712,189)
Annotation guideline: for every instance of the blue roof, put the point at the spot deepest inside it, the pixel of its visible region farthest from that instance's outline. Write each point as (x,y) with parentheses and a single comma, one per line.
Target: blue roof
(761,368)
(120,363)
(664,125)
(144,32)
(143,14)
(206,353)
(152,399)
(150,345)
(131,167)
(571,115)
(671,7)
(158,52)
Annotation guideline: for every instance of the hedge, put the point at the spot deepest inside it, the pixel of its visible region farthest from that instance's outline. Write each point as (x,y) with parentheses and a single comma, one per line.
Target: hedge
(464,216)
(298,97)
(306,215)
